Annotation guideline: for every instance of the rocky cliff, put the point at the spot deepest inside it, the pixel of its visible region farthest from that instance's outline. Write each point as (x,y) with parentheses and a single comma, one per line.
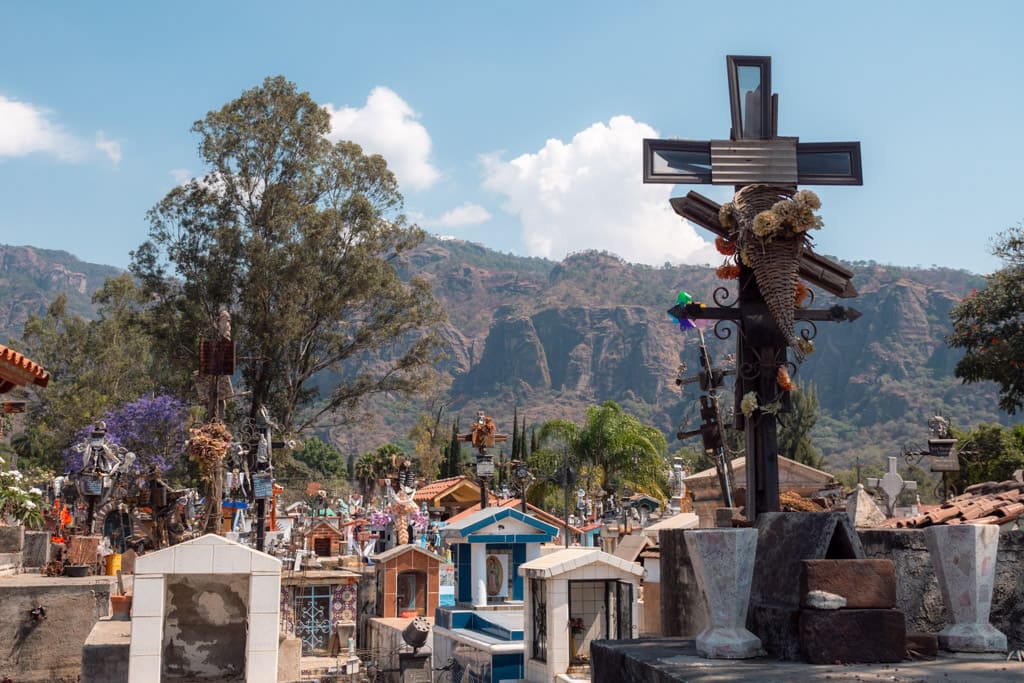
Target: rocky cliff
(553,338)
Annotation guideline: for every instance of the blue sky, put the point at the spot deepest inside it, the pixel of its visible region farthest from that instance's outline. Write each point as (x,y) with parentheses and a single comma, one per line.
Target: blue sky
(519,124)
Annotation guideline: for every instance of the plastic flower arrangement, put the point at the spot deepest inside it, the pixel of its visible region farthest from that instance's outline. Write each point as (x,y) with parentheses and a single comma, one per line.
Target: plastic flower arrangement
(783,380)
(789,217)
(728,271)
(419,521)
(380,518)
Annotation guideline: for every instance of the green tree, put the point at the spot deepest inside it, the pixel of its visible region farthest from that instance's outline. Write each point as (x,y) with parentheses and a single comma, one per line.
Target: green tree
(375,465)
(302,241)
(795,427)
(990,452)
(987,325)
(429,439)
(95,365)
(322,457)
(453,454)
(613,448)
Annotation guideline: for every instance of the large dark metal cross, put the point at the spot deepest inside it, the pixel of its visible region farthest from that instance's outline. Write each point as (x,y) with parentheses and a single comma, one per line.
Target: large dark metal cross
(755,154)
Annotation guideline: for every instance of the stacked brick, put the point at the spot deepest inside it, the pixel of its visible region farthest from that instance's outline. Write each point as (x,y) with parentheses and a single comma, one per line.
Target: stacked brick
(867,629)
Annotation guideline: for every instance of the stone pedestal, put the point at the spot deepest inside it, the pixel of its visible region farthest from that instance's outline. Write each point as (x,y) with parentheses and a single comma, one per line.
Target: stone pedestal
(723,560)
(964,557)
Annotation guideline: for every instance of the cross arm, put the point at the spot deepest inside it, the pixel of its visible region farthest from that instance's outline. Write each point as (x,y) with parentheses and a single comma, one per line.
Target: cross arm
(695,311)
(815,269)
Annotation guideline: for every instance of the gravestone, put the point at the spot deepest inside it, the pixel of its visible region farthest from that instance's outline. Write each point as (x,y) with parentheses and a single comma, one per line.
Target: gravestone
(892,484)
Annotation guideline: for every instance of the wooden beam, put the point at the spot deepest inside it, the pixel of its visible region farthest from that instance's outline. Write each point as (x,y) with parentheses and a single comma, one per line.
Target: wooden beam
(814,268)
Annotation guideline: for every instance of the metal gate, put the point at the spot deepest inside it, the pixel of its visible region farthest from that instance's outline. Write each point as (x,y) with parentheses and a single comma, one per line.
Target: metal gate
(313,618)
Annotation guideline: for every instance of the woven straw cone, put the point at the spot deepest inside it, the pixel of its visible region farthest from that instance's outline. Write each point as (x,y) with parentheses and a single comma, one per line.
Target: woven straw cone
(775,262)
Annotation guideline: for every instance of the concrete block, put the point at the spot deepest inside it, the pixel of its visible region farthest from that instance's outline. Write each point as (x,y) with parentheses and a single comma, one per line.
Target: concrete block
(105,653)
(852,636)
(866,584)
(289,658)
(964,557)
(36,552)
(12,539)
(723,560)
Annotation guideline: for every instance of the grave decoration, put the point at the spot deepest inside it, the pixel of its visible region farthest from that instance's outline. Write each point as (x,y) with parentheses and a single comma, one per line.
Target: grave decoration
(763,233)
(482,436)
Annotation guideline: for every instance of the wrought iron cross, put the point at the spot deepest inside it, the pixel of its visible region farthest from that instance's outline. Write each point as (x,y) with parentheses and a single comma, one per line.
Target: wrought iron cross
(755,155)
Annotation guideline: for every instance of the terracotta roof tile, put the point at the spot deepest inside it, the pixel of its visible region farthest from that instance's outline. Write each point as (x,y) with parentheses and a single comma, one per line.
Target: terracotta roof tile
(437,488)
(987,503)
(18,370)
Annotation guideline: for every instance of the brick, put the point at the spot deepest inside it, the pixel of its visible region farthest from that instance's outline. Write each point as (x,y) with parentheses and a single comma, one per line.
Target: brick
(866,584)
(852,636)
(926,644)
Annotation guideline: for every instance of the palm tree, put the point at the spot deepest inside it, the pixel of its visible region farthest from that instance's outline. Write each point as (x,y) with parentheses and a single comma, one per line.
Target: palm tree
(613,447)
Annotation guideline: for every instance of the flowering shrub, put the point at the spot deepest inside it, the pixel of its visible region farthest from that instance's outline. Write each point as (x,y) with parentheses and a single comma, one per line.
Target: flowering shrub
(152,427)
(19,505)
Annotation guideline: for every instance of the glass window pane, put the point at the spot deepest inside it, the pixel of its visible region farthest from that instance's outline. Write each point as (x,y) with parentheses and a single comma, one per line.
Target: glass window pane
(674,161)
(750,100)
(836,163)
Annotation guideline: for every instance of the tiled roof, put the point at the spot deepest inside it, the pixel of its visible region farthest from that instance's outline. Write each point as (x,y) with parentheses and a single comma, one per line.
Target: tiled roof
(440,487)
(407,548)
(562,561)
(17,370)
(741,461)
(537,512)
(988,503)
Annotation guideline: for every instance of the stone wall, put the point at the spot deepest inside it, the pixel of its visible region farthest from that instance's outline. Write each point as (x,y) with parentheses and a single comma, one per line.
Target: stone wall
(917,590)
(49,648)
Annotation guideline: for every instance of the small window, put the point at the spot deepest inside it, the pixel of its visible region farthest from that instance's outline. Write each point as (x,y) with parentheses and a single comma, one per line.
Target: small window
(539,602)
(677,161)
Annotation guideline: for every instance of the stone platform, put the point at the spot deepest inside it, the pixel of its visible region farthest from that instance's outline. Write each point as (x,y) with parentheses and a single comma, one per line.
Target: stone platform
(674,660)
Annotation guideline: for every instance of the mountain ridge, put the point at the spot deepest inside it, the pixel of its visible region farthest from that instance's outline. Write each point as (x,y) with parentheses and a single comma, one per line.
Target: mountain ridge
(554,337)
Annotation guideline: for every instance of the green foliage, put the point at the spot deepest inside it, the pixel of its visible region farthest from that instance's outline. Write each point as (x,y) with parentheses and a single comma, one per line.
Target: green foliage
(375,465)
(987,325)
(95,365)
(613,448)
(321,457)
(989,452)
(301,241)
(795,427)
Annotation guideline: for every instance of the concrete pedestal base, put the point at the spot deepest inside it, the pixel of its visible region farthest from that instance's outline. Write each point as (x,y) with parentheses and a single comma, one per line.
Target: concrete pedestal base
(972,638)
(964,557)
(728,643)
(723,560)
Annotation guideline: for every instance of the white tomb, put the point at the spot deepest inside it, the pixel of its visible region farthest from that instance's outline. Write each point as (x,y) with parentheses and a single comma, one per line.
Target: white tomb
(572,597)
(208,608)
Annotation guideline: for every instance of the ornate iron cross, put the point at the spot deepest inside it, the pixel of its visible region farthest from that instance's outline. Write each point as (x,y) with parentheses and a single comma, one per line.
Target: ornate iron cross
(754,154)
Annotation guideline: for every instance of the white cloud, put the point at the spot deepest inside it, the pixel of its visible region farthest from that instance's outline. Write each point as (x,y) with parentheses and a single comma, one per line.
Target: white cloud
(112,148)
(27,129)
(588,194)
(387,126)
(461,216)
(180,175)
